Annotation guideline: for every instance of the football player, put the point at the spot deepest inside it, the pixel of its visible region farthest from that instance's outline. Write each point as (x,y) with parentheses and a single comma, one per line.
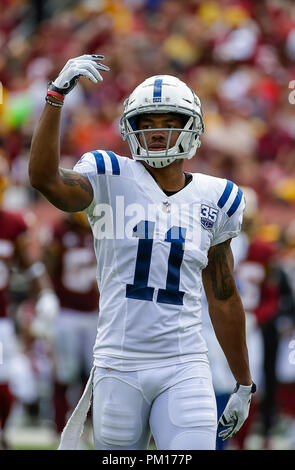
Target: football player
(70,261)
(159,233)
(14,250)
(222,377)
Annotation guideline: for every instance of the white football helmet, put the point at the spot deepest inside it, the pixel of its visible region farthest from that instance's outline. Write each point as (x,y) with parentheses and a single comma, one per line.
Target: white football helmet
(163,94)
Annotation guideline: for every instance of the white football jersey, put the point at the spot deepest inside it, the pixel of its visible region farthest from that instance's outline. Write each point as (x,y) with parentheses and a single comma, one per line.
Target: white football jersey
(151,249)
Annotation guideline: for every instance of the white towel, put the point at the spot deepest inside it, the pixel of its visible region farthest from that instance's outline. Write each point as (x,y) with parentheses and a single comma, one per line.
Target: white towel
(74,428)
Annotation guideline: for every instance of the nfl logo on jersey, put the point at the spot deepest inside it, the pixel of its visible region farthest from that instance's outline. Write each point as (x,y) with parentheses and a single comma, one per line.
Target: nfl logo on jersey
(208,216)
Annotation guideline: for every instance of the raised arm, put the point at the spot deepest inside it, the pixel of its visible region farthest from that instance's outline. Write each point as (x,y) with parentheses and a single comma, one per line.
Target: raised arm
(65,189)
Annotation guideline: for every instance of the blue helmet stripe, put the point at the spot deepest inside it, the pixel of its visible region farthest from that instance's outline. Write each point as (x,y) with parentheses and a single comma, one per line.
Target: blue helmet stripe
(226,193)
(236,203)
(100,164)
(157,96)
(115,163)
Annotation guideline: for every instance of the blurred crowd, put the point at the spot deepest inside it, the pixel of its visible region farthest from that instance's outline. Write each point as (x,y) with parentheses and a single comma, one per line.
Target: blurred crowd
(238,56)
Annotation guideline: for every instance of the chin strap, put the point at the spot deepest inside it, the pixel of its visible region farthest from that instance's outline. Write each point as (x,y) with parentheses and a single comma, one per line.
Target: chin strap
(158,163)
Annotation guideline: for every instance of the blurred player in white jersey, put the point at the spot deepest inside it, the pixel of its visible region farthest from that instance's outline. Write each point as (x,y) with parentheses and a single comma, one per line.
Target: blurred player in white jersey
(70,261)
(159,233)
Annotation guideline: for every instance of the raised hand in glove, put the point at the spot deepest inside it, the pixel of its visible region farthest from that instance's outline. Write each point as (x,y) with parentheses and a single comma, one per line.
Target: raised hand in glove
(236,410)
(86,65)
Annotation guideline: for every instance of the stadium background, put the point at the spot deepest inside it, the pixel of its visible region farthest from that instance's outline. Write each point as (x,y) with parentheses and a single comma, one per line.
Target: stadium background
(238,55)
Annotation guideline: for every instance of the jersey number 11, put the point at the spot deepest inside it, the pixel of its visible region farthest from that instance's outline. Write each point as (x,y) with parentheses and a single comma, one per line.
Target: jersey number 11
(140,290)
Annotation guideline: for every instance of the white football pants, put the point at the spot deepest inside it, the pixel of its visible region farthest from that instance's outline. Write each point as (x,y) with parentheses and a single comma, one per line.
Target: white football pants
(9,348)
(175,403)
(73,344)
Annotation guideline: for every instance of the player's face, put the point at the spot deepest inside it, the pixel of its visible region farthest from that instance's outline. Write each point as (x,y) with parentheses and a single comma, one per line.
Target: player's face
(157,140)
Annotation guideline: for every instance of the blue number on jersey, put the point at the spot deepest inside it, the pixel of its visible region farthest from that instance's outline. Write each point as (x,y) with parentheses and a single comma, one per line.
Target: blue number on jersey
(139,289)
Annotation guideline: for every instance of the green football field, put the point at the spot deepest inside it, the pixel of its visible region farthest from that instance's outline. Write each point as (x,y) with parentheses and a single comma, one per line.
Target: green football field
(45,438)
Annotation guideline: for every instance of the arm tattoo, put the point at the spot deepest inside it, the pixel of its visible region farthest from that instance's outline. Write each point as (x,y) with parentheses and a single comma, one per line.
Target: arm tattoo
(222,279)
(70,203)
(71,178)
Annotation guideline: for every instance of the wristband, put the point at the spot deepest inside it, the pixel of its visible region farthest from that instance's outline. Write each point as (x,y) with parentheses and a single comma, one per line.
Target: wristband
(63,91)
(56,94)
(53,103)
(253,387)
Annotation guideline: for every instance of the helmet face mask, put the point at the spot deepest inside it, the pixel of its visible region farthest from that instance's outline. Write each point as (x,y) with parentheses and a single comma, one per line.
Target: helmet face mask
(163,94)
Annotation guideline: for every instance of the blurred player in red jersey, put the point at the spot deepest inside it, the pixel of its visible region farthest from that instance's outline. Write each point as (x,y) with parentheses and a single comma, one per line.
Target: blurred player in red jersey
(248,277)
(261,262)
(285,363)
(71,263)
(14,249)
(259,285)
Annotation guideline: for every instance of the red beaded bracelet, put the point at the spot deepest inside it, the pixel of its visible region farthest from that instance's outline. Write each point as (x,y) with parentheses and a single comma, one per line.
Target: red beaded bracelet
(56,94)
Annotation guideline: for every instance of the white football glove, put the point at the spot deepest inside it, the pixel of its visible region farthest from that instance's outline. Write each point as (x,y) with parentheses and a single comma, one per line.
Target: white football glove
(236,410)
(86,65)
(47,309)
